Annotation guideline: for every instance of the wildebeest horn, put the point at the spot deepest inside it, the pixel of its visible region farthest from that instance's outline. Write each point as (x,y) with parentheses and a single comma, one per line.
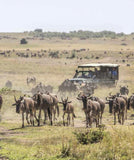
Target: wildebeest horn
(107,99)
(79,94)
(79,98)
(14,104)
(67,98)
(61,99)
(15,98)
(89,95)
(21,97)
(47,92)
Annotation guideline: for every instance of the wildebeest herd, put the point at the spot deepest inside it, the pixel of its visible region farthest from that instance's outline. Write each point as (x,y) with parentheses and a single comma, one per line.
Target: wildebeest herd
(93,107)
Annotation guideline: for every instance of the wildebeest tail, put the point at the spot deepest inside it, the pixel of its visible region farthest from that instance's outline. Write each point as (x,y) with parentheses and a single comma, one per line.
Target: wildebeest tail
(39,100)
(128,104)
(48,110)
(74,115)
(58,111)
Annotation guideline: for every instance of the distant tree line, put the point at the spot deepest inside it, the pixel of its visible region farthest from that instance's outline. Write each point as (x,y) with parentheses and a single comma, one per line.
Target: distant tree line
(76,34)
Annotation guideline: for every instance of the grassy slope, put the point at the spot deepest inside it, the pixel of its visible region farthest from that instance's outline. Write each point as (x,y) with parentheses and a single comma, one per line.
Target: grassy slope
(46,142)
(94,44)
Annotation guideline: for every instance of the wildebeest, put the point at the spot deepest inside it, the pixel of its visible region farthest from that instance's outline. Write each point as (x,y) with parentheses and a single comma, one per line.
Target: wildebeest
(87,88)
(111,98)
(42,88)
(1,102)
(125,97)
(55,104)
(92,110)
(45,103)
(130,102)
(28,106)
(102,106)
(69,109)
(67,86)
(124,90)
(8,84)
(119,107)
(31,80)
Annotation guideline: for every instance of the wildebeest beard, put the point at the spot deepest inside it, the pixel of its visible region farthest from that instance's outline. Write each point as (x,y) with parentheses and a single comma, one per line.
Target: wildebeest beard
(84,103)
(64,106)
(18,108)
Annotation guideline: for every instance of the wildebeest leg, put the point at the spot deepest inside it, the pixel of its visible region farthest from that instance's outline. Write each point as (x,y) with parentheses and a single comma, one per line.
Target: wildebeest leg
(35,116)
(87,120)
(101,118)
(98,119)
(27,118)
(63,119)
(122,118)
(90,122)
(39,117)
(73,118)
(54,112)
(51,120)
(31,118)
(96,122)
(45,116)
(114,118)
(50,110)
(126,113)
(68,119)
(22,120)
(119,117)
(57,108)
(0,106)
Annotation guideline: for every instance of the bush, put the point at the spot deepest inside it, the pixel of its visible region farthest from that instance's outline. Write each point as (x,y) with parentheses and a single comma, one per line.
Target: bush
(38,30)
(54,54)
(89,136)
(123,44)
(65,151)
(23,41)
(5,89)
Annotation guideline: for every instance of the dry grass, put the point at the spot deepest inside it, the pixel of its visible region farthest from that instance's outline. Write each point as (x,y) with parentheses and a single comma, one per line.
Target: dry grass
(46,142)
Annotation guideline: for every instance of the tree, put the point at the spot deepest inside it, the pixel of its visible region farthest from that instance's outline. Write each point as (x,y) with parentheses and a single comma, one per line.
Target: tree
(23,41)
(38,30)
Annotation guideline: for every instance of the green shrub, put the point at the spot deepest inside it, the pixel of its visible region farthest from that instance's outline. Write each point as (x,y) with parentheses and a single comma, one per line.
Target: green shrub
(65,150)
(123,44)
(5,89)
(23,41)
(89,136)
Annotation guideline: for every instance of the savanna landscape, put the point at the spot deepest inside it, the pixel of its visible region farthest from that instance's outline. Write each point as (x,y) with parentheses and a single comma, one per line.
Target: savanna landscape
(57,58)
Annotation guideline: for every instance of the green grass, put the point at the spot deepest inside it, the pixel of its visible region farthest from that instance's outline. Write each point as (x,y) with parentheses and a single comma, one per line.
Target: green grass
(53,142)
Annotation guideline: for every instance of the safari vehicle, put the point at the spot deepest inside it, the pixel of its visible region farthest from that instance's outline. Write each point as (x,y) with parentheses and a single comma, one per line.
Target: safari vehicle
(97,73)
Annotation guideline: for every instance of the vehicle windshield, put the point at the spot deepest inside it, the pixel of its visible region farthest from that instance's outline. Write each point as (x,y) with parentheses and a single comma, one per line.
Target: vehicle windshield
(97,73)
